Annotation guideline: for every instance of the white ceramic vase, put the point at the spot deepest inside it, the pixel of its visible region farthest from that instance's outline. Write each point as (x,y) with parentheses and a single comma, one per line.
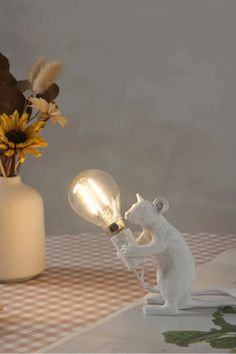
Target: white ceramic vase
(22,234)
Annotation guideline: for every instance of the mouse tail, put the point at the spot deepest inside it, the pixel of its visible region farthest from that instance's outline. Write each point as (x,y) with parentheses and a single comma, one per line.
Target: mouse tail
(203,303)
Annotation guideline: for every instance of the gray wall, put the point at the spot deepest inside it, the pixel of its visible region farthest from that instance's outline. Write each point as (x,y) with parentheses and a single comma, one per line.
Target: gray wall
(149,87)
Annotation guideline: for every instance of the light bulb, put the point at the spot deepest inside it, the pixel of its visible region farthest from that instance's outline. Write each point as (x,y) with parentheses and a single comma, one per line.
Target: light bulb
(95,196)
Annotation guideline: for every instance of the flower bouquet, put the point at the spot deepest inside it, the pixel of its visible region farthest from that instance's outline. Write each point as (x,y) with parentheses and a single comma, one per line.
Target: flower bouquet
(26,107)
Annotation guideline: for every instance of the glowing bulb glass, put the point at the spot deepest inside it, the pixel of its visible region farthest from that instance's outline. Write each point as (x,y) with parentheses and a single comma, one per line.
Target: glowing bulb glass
(95,196)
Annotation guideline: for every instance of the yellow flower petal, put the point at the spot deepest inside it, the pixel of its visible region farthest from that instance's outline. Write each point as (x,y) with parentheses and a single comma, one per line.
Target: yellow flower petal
(34,129)
(41,145)
(9,152)
(33,151)
(23,139)
(38,140)
(21,156)
(22,121)
(6,123)
(21,145)
(35,142)
(2,132)
(8,143)
(15,114)
(4,139)
(14,119)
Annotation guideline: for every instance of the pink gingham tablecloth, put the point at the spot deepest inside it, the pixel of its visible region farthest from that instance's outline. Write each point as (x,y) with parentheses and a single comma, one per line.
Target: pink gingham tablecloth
(83,282)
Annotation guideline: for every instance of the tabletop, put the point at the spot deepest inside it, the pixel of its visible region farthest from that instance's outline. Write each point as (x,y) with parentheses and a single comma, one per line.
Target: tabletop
(83,282)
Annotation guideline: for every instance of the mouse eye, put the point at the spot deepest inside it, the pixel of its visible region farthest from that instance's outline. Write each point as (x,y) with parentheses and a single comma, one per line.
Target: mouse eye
(159,206)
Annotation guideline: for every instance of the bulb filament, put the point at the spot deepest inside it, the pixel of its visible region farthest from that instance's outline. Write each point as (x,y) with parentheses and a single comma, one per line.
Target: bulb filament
(95,199)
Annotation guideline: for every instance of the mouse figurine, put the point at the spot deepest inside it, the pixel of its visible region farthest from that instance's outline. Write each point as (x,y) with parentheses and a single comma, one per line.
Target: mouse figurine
(175,263)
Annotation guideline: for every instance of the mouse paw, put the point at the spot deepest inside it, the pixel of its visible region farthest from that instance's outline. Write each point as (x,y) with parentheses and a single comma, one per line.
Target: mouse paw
(128,251)
(155,299)
(163,310)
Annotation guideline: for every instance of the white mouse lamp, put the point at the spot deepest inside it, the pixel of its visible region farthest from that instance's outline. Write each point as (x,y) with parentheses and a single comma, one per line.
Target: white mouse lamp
(95,196)
(175,263)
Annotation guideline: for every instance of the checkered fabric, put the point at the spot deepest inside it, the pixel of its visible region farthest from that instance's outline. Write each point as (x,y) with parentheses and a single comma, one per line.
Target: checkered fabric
(83,282)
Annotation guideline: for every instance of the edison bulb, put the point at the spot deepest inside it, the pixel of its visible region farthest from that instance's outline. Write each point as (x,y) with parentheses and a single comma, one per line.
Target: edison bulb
(95,196)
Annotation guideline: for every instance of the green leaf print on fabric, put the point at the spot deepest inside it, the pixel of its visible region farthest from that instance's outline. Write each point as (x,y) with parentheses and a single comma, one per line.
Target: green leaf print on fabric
(223,338)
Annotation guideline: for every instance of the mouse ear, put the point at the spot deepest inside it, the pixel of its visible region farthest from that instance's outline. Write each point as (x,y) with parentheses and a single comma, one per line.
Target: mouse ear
(161,204)
(139,197)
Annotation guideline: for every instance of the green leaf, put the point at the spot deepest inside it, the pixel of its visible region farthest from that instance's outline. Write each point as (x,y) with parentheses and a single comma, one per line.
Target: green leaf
(224,342)
(228,309)
(218,319)
(223,338)
(184,338)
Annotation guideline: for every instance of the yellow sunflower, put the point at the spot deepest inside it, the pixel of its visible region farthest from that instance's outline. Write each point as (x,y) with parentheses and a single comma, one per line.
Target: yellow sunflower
(18,139)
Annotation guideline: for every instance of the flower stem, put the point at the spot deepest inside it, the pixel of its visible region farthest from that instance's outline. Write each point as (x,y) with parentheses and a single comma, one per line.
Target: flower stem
(11,167)
(34,116)
(2,169)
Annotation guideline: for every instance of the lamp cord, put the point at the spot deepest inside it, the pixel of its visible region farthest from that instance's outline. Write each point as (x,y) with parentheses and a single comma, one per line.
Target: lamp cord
(141,280)
(205,291)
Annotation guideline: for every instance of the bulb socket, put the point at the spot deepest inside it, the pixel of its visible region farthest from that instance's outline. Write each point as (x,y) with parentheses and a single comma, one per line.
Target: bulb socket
(115,227)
